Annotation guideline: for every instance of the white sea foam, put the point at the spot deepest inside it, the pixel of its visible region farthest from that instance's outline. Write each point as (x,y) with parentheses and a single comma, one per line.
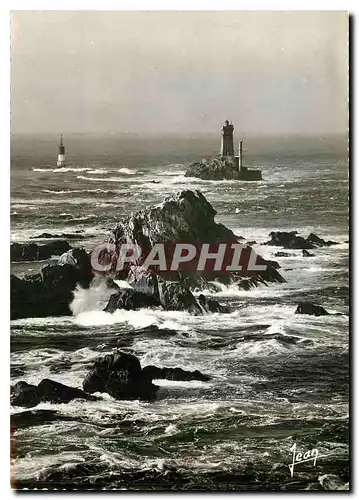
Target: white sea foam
(62,170)
(103,179)
(94,298)
(137,319)
(127,171)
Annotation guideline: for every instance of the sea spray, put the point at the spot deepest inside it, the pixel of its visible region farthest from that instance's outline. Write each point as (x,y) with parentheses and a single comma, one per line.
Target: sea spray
(94,298)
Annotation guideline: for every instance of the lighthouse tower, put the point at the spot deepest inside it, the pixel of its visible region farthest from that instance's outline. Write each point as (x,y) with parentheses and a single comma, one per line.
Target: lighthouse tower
(61,157)
(227,148)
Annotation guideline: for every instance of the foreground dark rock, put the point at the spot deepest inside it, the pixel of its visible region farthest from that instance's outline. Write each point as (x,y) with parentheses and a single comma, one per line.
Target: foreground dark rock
(293,241)
(312,309)
(27,395)
(218,168)
(121,376)
(173,374)
(31,251)
(30,418)
(50,292)
(130,299)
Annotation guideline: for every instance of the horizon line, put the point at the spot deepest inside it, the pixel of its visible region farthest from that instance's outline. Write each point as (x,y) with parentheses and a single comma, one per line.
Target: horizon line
(166,133)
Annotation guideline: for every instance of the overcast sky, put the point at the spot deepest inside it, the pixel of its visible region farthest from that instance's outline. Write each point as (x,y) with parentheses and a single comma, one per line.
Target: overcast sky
(269,72)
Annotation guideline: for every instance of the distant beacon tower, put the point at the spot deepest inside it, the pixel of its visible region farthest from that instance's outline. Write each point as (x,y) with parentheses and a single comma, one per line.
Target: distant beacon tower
(61,158)
(227,148)
(240,162)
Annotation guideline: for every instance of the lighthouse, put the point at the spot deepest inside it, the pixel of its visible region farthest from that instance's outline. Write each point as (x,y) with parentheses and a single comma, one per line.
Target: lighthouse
(227,148)
(61,157)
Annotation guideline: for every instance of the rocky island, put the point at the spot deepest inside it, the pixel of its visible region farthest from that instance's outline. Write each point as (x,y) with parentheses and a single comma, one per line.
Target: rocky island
(226,165)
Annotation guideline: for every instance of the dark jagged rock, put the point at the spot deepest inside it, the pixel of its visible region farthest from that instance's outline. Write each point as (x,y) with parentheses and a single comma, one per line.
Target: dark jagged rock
(27,395)
(31,251)
(305,253)
(319,242)
(183,217)
(50,292)
(156,292)
(293,241)
(120,375)
(288,240)
(176,297)
(130,299)
(153,372)
(312,309)
(210,305)
(30,418)
(284,254)
(55,392)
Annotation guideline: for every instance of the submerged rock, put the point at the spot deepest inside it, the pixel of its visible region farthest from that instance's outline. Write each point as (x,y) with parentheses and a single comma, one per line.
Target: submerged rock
(312,309)
(284,254)
(305,253)
(121,376)
(153,372)
(50,292)
(319,242)
(292,240)
(27,395)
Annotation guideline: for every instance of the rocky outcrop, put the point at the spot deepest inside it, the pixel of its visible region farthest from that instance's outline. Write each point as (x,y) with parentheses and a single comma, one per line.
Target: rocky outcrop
(50,292)
(319,242)
(312,309)
(66,236)
(291,240)
(121,376)
(31,251)
(130,299)
(155,373)
(30,418)
(186,217)
(215,169)
(27,395)
(152,291)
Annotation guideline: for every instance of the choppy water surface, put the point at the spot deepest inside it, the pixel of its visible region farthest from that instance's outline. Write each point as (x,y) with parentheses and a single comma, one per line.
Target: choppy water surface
(277,378)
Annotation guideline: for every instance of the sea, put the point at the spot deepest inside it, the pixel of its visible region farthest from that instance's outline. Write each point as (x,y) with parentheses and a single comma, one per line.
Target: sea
(278,379)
